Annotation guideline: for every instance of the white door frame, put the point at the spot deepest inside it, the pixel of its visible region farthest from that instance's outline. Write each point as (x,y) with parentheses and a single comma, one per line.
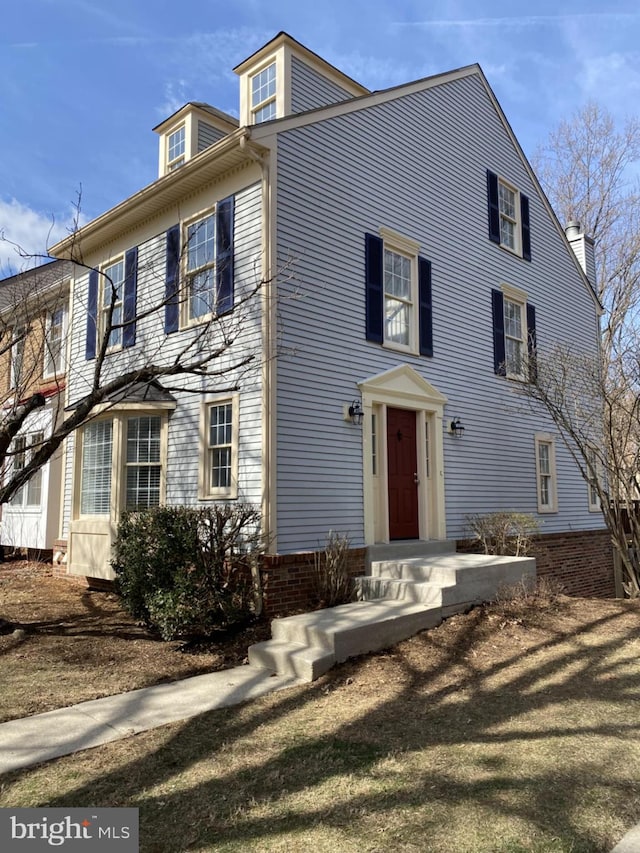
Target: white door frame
(402,388)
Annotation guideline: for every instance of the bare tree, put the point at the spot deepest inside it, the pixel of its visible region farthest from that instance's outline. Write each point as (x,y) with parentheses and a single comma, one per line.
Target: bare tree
(587,169)
(597,415)
(214,354)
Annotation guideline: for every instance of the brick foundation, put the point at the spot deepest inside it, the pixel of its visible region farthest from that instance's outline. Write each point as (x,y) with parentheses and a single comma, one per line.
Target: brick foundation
(581,561)
(287,579)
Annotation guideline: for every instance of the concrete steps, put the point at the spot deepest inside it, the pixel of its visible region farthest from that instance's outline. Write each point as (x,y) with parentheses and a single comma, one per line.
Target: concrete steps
(399,598)
(309,644)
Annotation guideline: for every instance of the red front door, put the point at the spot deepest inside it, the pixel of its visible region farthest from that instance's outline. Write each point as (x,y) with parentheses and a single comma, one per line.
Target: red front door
(402,474)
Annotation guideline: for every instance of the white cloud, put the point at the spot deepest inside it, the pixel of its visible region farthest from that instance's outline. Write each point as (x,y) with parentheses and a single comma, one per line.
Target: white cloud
(25,234)
(174,97)
(521,21)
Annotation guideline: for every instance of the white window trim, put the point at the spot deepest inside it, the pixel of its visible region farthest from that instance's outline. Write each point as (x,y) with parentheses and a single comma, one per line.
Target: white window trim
(119,417)
(32,439)
(104,282)
(515,295)
(548,439)
(19,335)
(283,86)
(272,99)
(173,164)
(517,221)
(205,491)
(49,370)
(408,248)
(185,320)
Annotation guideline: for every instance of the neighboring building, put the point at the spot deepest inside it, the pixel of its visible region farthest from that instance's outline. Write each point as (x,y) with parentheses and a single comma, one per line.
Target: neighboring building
(409,262)
(33,336)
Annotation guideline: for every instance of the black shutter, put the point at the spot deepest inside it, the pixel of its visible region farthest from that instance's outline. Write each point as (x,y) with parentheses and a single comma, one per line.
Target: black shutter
(532,342)
(130,297)
(171,293)
(426,307)
(494,207)
(373,288)
(526,231)
(224,255)
(92,315)
(497,305)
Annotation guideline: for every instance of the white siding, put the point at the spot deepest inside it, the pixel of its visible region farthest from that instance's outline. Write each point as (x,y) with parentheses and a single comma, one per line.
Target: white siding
(417,165)
(25,526)
(154,346)
(310,89)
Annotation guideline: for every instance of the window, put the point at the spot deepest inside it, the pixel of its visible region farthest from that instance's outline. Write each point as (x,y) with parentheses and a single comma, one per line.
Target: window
(507,198)
(594,473)
(546,473)
(514,342)
(54,346)
(509,224)
(24,447)
(143,465)
(398,293)
(514,333)
(207,283)
(201,258)
(219,459)
(398,301)
(17,356)
(263,94)
(131,444)
(97,448)
(111,303)
(176,149)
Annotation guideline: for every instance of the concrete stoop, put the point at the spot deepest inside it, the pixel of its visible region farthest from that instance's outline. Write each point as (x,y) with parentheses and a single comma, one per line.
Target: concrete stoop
(397,600)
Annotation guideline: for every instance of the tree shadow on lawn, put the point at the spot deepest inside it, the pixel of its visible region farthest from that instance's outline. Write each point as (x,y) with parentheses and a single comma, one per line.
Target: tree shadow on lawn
(517,741)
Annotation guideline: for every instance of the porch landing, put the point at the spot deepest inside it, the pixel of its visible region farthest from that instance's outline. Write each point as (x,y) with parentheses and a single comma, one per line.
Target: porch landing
(411,587)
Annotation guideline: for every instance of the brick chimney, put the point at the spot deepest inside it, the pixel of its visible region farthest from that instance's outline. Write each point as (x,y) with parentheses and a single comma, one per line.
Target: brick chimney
(583,249)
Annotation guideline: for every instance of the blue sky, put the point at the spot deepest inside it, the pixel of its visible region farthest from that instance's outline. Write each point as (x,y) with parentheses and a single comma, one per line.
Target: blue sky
(84,81)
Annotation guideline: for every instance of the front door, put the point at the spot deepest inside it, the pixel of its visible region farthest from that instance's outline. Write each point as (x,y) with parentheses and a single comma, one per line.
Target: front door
(402,474)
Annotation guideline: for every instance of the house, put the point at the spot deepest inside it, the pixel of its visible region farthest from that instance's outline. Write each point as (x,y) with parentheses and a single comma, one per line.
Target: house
(383,263)
(33,335)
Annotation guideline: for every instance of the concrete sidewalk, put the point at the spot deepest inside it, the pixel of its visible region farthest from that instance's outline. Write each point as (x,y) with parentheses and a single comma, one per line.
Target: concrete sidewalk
(39,738)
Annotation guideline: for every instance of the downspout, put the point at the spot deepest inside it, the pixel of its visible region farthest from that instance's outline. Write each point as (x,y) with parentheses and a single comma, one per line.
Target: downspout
(268,303)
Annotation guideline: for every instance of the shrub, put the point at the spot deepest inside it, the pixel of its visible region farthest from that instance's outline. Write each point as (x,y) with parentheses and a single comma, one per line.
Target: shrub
(188,572)
(506,533)
(525,602)
(332,583)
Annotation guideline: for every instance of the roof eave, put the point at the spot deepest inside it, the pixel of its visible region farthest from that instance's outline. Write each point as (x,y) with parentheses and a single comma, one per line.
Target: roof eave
(232,151)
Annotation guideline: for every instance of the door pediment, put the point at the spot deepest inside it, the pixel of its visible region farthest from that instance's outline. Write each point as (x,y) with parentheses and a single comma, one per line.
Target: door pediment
(402,383)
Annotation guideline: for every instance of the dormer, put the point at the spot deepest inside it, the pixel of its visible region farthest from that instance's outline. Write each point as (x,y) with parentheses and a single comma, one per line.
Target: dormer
(188,131)
(285,77)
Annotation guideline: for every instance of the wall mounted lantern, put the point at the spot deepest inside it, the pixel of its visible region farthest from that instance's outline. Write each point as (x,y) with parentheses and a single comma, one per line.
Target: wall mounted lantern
(354,413)
(456,428)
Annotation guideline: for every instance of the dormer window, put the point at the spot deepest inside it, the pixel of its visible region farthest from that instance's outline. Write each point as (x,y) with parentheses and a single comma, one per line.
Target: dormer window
(176,149)
(263,94)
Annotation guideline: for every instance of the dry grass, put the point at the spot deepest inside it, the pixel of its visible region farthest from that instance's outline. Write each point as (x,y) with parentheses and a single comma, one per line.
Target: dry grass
(77,644)
(497,732)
